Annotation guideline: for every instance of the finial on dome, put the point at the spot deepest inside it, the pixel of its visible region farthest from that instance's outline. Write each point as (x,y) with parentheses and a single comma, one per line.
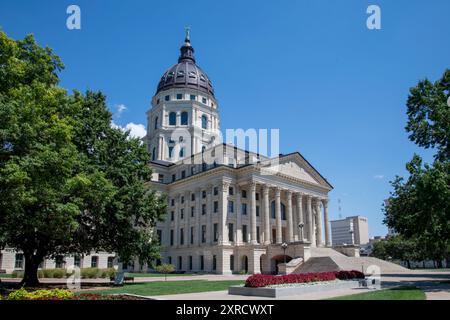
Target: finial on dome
(187,29)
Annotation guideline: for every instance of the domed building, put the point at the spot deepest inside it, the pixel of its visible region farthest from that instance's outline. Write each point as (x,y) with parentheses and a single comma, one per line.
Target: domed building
(229,210)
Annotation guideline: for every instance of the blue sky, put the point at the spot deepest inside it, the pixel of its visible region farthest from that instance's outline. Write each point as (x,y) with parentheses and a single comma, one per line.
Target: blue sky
(336,89)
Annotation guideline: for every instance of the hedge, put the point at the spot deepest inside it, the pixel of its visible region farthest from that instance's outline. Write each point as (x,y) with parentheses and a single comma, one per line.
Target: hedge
(261,280)
(86,273)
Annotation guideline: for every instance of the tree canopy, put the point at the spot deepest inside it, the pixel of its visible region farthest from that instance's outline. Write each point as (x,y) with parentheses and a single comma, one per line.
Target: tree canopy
(69,182)
(419,207)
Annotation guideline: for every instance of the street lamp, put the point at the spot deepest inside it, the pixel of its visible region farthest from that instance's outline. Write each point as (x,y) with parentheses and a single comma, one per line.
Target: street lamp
(284,246)
(301,225)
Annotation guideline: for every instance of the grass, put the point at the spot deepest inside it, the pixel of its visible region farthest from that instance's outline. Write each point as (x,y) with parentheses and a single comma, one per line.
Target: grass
(5,275)
(169,287)
(151,275)
(398,293)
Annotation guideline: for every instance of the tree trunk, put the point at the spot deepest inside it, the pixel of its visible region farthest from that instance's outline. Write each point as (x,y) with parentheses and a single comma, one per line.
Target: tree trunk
(30,276)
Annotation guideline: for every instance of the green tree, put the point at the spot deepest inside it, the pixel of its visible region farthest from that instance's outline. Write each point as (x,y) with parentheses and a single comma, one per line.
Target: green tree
(69,183)
(165,269)
(419,207)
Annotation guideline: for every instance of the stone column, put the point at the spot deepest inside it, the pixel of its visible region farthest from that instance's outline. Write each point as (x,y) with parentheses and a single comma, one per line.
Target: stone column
(238,240)
(310,222)
(289,224)
(198,213)
(279,237)
(253,212)
(209,213)
(327,223)
(266,208)
(176,218)
(187,217)
(301,231)
(319,239)
(223,213)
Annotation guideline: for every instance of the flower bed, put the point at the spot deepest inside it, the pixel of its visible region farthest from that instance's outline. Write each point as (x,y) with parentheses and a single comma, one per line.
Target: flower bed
(61,294)
(261,280)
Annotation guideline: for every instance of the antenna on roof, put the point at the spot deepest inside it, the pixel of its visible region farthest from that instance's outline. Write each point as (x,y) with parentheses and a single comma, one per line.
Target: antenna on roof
(340,208)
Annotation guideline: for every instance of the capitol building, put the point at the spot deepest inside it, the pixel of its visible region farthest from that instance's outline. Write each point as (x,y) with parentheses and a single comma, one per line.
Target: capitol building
(229,210)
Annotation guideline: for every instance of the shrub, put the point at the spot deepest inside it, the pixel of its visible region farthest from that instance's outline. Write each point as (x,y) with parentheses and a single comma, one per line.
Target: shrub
(165,269)
(48,273)
(59,273)
(22,294)
(89,273)
(17,274)
(261,280)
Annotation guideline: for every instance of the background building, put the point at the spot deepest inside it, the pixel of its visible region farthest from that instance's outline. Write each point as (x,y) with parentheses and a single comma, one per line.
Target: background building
(351,230)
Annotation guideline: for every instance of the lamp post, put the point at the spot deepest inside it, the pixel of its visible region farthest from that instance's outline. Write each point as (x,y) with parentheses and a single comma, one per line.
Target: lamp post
(301,225)
(284,246)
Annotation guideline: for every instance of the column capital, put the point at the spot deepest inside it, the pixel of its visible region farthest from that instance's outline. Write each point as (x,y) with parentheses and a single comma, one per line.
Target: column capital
(265,189)
(252,185)
(277,191)
(224,185)
(289,194)
(325,202)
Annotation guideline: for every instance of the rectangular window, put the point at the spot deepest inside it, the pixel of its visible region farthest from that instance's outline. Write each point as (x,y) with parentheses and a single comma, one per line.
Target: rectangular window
(174,178)
(94,262)
(192,170)
(230,232)
(182,199)
(244,208)
(203,194)
(192,211)
(203,209)
(230,206)
(77,261)
(182,214)
(193,97)
(19,261)
(172,216)
(183,174)
(181,236)
(244,233)
(257,196)
(110,263)
(192,235)
(216,206)
(192,196)
(159,235)
(179,96)
(204,100)
(216,191)
(169,260)
(180,262)
(230,191)
(172,202)
(59,262)
(244,194)
(167,98)
(257,235)
(202,263)
(257,211)
(160,178)
(190,262)
(214,266)
(171,237)
(203,233)
(216,232)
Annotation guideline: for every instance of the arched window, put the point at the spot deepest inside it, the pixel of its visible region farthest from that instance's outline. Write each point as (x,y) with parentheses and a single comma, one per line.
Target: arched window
(181,152)
(204,122)
(172,119)
(203,149)
(156,123)
(154,154)
(283,210)
(184,118)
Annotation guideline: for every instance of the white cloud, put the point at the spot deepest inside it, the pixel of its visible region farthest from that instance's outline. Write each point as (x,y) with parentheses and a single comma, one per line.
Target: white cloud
(137,130)
(378,176)
(120,108)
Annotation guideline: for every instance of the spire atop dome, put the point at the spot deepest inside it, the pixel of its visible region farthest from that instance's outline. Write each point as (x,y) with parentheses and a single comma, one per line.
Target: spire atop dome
(187,51)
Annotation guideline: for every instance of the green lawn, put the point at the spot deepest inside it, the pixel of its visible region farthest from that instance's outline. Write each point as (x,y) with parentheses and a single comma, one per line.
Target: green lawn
(169,287)
(398,293)
(5,275)
(141,275)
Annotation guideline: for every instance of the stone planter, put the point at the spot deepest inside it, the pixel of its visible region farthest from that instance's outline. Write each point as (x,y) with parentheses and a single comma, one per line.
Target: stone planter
(280,292)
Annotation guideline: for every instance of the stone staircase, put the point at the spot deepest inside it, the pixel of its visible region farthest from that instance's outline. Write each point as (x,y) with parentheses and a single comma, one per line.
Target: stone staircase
(327,259)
